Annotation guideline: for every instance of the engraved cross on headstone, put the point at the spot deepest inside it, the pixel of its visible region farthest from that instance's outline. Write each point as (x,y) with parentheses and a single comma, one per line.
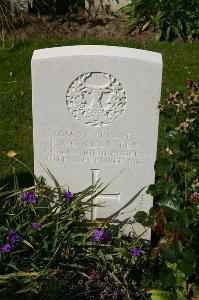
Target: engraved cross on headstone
(103,212)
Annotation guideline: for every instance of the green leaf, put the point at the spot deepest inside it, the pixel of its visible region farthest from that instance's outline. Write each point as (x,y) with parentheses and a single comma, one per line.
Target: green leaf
(178,247)
(186,267)
(152,212)
(74,266)
(126,9)
(152,190)
(187,263)
(109,256)
(146,25)
(163,166)
(24,290)
(140,217)
(101,255)
(14,267)
(161,295)
(178,32)
(183,221)
(180,295)
(168,33)
(3,281)
(169,202)
(158,35)
(168,254)
(189,255)
(161,187)
(173,138)
(167,278)
(28,244)
(19,274)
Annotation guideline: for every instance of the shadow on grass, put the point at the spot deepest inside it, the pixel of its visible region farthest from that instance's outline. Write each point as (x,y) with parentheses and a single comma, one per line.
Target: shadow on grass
(25,179)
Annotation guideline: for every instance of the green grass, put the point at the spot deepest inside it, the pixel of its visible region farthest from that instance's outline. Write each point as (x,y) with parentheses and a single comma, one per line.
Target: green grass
(180,63)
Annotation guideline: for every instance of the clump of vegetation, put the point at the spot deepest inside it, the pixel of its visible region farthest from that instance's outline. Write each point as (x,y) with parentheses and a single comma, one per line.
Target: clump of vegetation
(55,6)
(9,16)
(170,18)
(175,215)
(44,242)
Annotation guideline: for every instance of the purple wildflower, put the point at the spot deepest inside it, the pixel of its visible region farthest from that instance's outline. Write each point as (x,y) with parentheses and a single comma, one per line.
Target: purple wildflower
(36,225)
(32,198)
(107,237)
(29,197)
(68,196)
(24,196)
(135,251)
(13,236)
(6,248)
(98,234)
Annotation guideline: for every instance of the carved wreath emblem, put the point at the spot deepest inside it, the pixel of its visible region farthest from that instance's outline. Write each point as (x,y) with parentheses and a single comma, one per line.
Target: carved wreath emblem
(96,99)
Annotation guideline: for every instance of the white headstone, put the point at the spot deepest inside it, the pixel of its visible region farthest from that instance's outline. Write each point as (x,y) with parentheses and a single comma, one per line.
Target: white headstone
(107,6)
(95,114)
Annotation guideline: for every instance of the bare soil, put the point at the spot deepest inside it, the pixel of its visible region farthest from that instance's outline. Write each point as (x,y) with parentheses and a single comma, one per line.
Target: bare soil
(79,26)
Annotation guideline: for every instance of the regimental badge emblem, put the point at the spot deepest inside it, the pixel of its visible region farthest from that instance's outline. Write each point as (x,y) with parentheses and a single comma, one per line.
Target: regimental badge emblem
(96,99)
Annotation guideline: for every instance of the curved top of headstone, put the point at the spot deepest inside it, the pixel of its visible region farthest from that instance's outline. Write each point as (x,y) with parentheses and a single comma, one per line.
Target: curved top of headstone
(97,50)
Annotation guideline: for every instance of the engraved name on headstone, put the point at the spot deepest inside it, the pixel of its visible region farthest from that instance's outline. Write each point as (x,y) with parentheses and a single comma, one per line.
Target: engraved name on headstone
(95,115)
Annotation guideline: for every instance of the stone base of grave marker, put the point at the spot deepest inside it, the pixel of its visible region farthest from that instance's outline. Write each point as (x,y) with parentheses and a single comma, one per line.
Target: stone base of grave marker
(95,116)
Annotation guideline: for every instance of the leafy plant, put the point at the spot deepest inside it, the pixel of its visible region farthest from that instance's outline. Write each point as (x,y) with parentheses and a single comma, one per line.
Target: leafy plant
(55,6)
(43,242)
(170,18)
(9,16)
(174,218)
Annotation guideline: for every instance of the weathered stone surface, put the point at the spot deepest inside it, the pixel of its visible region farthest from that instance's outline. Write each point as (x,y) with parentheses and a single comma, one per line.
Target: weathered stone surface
(95,115)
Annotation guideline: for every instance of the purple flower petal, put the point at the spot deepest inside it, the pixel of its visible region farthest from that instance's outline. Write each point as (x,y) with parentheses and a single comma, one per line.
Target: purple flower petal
(24,196)
(12,231)
(29,197)
(68,197)
(6,248)
(107,237)
(35,225)
(98,234)
(135,251)
(13,236)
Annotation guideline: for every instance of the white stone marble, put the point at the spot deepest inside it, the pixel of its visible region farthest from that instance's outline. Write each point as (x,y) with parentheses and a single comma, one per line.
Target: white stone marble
(105,5)
(95,114)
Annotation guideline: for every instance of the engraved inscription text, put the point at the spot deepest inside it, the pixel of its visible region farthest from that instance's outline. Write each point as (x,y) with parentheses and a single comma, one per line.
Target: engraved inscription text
(82,147)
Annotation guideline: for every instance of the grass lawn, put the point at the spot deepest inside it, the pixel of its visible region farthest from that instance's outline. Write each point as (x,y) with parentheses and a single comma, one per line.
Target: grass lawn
(181,61)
